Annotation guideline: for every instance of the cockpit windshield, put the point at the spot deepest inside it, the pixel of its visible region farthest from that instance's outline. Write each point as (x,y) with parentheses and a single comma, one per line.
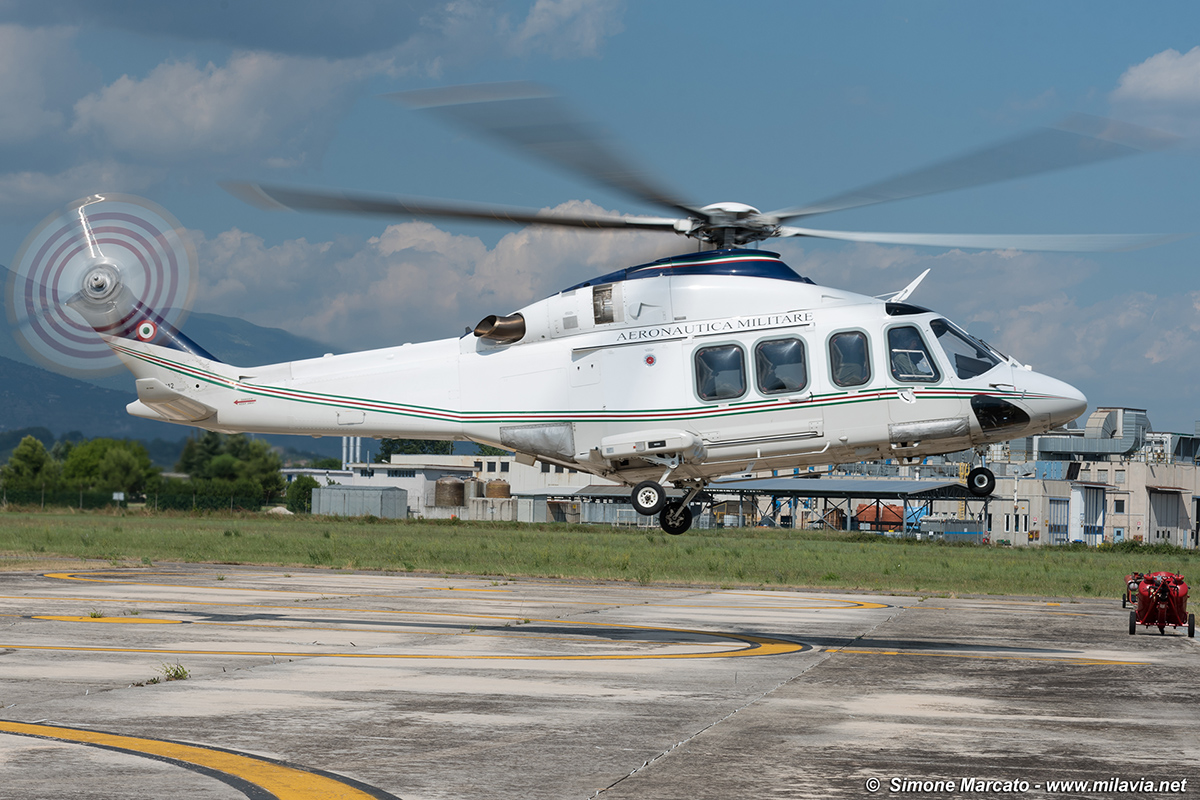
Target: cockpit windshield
(969,356)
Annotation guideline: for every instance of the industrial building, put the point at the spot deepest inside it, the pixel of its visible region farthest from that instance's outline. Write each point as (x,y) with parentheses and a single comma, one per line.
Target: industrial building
(1111,479)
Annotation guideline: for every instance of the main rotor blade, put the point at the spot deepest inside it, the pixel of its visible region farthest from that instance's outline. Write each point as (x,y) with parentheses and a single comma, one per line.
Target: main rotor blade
(1077,243)
(275,198)
(1080,139)
(531,119)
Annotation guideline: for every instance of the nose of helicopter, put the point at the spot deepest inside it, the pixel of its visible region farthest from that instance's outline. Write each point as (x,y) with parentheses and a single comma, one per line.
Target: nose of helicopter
(1057,400)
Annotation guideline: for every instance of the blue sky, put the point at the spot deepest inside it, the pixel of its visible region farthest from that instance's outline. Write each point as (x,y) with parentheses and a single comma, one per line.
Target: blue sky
(768,103)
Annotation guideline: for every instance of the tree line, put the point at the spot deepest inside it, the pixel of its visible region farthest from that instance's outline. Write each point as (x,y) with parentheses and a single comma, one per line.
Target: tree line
(223,471)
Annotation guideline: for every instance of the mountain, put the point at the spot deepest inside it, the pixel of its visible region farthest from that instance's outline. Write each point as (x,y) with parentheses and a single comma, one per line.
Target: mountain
(236,341)
(33,397)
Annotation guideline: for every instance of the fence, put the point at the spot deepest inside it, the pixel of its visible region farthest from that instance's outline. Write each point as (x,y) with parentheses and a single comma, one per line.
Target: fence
(158,502)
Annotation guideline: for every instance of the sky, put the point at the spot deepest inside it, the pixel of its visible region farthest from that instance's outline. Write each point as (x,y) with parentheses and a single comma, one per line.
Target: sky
(773,104)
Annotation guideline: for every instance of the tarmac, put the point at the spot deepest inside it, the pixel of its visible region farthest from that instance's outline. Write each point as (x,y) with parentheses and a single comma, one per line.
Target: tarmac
(327,684)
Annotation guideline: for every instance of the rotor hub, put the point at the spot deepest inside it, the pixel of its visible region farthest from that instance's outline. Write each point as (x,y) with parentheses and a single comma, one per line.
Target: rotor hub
(101,281)
(733,225)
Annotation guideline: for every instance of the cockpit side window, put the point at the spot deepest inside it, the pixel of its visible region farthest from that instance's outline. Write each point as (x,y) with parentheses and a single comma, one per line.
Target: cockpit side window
(970,358)
(849,359)
(720,372)
(780,366)
(908,356)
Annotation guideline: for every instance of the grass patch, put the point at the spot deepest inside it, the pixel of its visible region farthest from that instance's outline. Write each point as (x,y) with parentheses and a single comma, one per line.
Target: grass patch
(734,557)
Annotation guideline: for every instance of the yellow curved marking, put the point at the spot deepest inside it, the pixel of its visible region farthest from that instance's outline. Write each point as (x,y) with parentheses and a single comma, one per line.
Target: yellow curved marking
(388,631)
(758,646)
(1080,660)
(284,782)
(127,620)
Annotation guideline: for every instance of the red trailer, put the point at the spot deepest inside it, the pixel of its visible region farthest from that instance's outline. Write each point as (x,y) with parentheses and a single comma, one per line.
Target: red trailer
(1161,601)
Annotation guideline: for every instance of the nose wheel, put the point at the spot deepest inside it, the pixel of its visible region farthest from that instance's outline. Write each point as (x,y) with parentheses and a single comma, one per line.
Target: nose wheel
(981,482)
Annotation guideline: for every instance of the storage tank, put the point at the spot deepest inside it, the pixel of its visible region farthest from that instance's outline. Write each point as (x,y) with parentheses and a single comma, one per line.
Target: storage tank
(498,489)
(448,492)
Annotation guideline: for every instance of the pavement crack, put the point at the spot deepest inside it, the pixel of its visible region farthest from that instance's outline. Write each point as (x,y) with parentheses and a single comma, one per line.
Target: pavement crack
(816,662)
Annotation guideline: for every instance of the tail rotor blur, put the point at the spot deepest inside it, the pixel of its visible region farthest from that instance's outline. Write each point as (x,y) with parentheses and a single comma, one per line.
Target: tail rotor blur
(108,264)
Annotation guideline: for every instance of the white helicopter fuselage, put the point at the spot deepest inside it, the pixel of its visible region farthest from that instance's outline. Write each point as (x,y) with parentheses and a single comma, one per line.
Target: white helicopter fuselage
(682,370)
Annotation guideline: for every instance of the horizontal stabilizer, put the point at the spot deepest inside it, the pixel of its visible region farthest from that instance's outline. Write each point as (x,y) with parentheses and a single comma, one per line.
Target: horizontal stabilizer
(170,404)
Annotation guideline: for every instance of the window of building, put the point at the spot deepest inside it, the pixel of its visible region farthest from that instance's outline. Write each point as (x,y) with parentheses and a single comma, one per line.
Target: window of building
(545,467)
(969,356)
(504,466)
(402,473)
(479,466)
(558,469)
(491,466)
(1102,475)
(1119,476)
(720,372)
(367,473)
(1118,506)
(779,366)
(849,359)
(909,357)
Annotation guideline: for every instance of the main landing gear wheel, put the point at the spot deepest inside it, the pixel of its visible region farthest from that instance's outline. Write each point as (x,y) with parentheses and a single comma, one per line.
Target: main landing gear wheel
(981,482)
(1191,626)
(675,518)
(1132,623)
(648,498)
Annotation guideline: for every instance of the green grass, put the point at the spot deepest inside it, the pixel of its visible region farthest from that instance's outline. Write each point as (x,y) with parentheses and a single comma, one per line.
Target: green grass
(737,557)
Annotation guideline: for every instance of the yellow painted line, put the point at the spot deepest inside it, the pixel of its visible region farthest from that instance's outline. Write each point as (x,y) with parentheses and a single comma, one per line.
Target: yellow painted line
(126,620)
(844,604)
(848,604)
(312,608)
(281,780)
(1060,660)
(76,576)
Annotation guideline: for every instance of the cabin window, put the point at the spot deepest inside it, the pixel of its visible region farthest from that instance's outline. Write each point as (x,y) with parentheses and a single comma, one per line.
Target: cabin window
(720,372)
(909,357)
(970,357)
(780,366)
(849,359)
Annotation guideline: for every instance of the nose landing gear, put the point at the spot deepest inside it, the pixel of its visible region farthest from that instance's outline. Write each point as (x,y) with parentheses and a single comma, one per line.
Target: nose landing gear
(649,498)
(981,482)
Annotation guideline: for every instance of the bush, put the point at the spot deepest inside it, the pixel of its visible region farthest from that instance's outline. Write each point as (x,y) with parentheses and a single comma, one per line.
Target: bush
(299,494)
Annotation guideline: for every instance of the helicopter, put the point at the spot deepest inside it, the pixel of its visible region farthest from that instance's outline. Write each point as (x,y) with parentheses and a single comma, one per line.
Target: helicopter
(674,372)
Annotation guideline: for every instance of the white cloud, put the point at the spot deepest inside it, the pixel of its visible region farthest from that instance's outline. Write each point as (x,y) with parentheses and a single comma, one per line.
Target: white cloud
(413,282)
(1163,91)
(567,28)
(22,191)
(258,107)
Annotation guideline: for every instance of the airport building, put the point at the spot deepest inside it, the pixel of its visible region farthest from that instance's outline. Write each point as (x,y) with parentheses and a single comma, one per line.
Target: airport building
(1110,479)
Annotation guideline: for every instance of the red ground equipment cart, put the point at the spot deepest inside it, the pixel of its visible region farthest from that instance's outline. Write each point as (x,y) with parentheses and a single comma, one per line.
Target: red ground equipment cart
(1161,601)
(1129,597)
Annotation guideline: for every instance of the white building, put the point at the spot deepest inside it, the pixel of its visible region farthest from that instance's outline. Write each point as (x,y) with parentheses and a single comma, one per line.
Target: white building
(419,474)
